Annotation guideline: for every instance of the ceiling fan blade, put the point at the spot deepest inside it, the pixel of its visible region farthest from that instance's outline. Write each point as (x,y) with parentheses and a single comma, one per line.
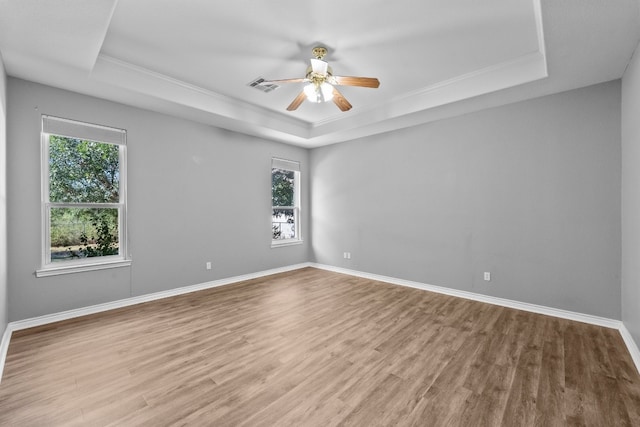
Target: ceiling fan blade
(319,67)
(371,82)
(297,101)
(300,80)
(341,101)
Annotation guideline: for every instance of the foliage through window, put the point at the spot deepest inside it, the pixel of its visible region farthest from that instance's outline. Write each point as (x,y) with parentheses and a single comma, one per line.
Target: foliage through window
(83,193)
(285,201)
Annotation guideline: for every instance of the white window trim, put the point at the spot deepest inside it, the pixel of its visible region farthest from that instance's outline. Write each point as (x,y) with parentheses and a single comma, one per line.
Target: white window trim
(103,134)
(286,242)
(79,268)
(294,167)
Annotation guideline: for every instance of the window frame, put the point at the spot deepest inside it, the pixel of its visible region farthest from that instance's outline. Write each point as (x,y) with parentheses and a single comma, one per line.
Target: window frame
(292,166)
(90,132)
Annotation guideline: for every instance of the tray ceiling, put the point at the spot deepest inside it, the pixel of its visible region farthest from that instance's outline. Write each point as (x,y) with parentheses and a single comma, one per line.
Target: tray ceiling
(434,59)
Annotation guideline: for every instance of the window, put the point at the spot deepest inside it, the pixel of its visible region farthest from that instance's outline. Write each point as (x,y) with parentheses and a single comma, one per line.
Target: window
(83,197)
(285,202)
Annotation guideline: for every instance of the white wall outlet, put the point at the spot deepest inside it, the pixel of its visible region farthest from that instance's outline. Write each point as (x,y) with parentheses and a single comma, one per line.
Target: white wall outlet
(346,255)
(487,276)
(209,265)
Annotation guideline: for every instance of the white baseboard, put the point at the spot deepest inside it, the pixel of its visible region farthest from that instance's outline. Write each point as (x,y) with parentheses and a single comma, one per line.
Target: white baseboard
(4,347)
(564,314)
(631,345)
(540,309)
(70,314)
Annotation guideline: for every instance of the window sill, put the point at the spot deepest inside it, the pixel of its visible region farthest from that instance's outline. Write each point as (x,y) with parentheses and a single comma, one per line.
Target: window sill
(288,242)
(79,268)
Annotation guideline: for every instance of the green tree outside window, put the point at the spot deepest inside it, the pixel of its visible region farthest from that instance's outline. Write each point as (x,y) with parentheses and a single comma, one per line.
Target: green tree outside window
(83,172)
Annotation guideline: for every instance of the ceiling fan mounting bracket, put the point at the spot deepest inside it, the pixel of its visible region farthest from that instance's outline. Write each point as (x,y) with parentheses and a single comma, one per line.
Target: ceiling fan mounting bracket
(319,52)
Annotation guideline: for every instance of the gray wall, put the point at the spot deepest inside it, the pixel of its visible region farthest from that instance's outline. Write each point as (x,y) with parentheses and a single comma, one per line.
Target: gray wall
(196,194)
(4,310)
(631,197)
(528,191)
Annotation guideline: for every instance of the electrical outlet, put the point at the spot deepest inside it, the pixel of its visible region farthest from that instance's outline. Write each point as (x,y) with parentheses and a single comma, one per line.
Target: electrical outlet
(209,265)
(487,276)
(346,255)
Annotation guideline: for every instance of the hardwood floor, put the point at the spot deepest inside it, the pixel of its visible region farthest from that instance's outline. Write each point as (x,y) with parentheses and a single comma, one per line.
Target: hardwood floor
(314,348)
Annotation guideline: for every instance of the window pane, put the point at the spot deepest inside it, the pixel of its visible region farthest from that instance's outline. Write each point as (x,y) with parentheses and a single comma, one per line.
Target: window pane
(83,171)
(282,182)
(83,232)
(283,224)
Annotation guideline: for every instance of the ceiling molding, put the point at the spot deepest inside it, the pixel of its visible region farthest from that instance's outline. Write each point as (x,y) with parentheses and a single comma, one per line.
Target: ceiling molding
(537,10)
(139,79)
(103,34)
(511,73)
(496,77)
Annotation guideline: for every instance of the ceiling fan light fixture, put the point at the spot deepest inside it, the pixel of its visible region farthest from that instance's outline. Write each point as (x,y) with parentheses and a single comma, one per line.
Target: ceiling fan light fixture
(319,93)
(310,91)
(327,91)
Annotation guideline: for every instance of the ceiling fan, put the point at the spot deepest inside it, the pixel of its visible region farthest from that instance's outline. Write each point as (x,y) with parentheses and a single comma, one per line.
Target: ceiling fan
(321,83)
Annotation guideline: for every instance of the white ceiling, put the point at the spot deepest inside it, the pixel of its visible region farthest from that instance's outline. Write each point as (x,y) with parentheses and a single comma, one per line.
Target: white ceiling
(434,59)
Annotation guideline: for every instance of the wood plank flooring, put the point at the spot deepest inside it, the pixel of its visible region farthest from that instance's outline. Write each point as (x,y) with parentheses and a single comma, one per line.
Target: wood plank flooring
(314,348)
